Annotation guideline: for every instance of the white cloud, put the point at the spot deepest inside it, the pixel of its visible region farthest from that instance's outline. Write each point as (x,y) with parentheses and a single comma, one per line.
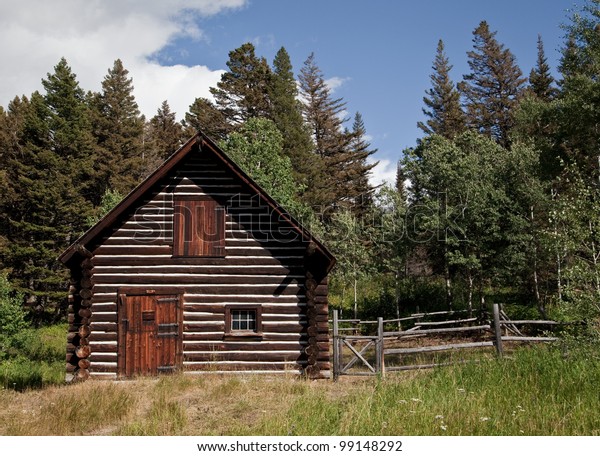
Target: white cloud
(335,83)
(91,34)
(384,172)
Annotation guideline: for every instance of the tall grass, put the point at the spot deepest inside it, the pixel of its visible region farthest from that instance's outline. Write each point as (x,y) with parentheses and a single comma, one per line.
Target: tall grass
(34,359)
(538,391)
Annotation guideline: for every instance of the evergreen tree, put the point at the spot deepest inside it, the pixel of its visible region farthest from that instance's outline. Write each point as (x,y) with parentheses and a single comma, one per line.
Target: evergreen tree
(286,112)
(359,190)
(164,135)
(445,114)
(205,117)
(243,91)
(540,79)
(331,143)
(119,129)
(493,88)
(48,175)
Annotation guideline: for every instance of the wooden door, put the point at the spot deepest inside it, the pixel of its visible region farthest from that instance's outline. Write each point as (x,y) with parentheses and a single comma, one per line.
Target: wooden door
(149,334)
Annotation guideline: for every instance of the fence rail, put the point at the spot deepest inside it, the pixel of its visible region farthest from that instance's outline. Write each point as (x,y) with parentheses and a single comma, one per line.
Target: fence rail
(369,352)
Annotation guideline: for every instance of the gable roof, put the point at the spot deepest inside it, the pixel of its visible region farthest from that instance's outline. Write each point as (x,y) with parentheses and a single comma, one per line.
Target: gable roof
(198,142)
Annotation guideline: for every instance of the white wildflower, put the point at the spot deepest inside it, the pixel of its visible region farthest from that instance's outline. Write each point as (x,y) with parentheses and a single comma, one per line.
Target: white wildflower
(484,418)
(439,417)
(443,427)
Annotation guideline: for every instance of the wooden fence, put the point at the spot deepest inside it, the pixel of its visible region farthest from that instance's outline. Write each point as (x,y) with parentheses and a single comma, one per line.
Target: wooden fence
(355,352)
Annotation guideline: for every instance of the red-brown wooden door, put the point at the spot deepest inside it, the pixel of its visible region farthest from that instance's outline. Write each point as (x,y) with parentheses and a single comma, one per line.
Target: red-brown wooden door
(149,334)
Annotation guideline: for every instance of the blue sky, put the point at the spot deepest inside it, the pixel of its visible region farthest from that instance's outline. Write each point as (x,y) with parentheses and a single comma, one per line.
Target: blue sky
(377,54)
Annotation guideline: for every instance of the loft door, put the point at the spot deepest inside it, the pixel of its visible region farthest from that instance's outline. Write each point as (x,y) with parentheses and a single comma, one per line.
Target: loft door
(149,334)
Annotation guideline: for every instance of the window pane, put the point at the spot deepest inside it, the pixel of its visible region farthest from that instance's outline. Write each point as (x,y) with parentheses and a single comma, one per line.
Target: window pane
(243,320)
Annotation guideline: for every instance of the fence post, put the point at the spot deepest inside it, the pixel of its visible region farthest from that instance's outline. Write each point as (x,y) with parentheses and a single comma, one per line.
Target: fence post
(497,329)
(336,346)
(380,362)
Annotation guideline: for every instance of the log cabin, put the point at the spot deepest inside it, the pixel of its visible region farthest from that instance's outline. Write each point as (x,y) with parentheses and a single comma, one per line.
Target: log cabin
(197,270)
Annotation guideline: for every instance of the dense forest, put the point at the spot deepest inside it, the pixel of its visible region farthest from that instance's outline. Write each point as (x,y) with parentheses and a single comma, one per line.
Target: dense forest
(499,200)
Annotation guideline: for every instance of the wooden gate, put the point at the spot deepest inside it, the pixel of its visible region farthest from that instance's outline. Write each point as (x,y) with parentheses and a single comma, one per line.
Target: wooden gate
(150,332)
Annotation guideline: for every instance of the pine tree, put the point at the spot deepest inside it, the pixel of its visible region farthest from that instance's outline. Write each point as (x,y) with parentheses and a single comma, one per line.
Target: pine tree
(359,190)
(164,132)
(205,117)
(493,88)
(445,114)
(242,92)
(119,129)
(164,136)
(540,79)
(331,143)
(286,112)
(49,174)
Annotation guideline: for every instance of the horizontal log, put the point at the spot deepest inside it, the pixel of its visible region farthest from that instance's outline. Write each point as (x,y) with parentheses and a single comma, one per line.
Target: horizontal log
(105,327)
(149,260)
(84,364)
(191,300)
(104,318)
(284,309)
(134,250)
(267,357)
(104,307)
(434,348)
(103,367)
(156,239)
(203,327)
(249,367)
(222,290)
(218,337)
(249,269)
(103,357)
(528,339)
(529,322)
(169,279)
(426,366)
(435,331)
(97,336)
(103,348)
(258,346)
(270,319)
(447,322)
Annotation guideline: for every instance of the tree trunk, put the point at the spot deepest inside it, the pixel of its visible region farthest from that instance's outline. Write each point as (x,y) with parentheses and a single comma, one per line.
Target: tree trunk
(355,299)
(536,285)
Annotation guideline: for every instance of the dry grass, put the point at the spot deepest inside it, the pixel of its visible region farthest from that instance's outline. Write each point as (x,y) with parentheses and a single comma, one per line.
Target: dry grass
(211,404)
(538,392)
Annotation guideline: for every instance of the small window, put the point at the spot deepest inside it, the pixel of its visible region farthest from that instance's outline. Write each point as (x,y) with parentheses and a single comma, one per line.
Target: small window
(243,321)
(198,228)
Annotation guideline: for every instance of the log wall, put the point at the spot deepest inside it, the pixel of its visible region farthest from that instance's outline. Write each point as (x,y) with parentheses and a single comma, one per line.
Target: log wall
(266,263)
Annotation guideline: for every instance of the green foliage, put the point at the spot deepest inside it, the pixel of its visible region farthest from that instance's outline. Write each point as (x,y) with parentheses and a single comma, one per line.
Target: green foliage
(287,114)
(119,133)
(540,79)
(493,88)
(12,315)
(109,200)
(257,148)
(445,115)
(243,91)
